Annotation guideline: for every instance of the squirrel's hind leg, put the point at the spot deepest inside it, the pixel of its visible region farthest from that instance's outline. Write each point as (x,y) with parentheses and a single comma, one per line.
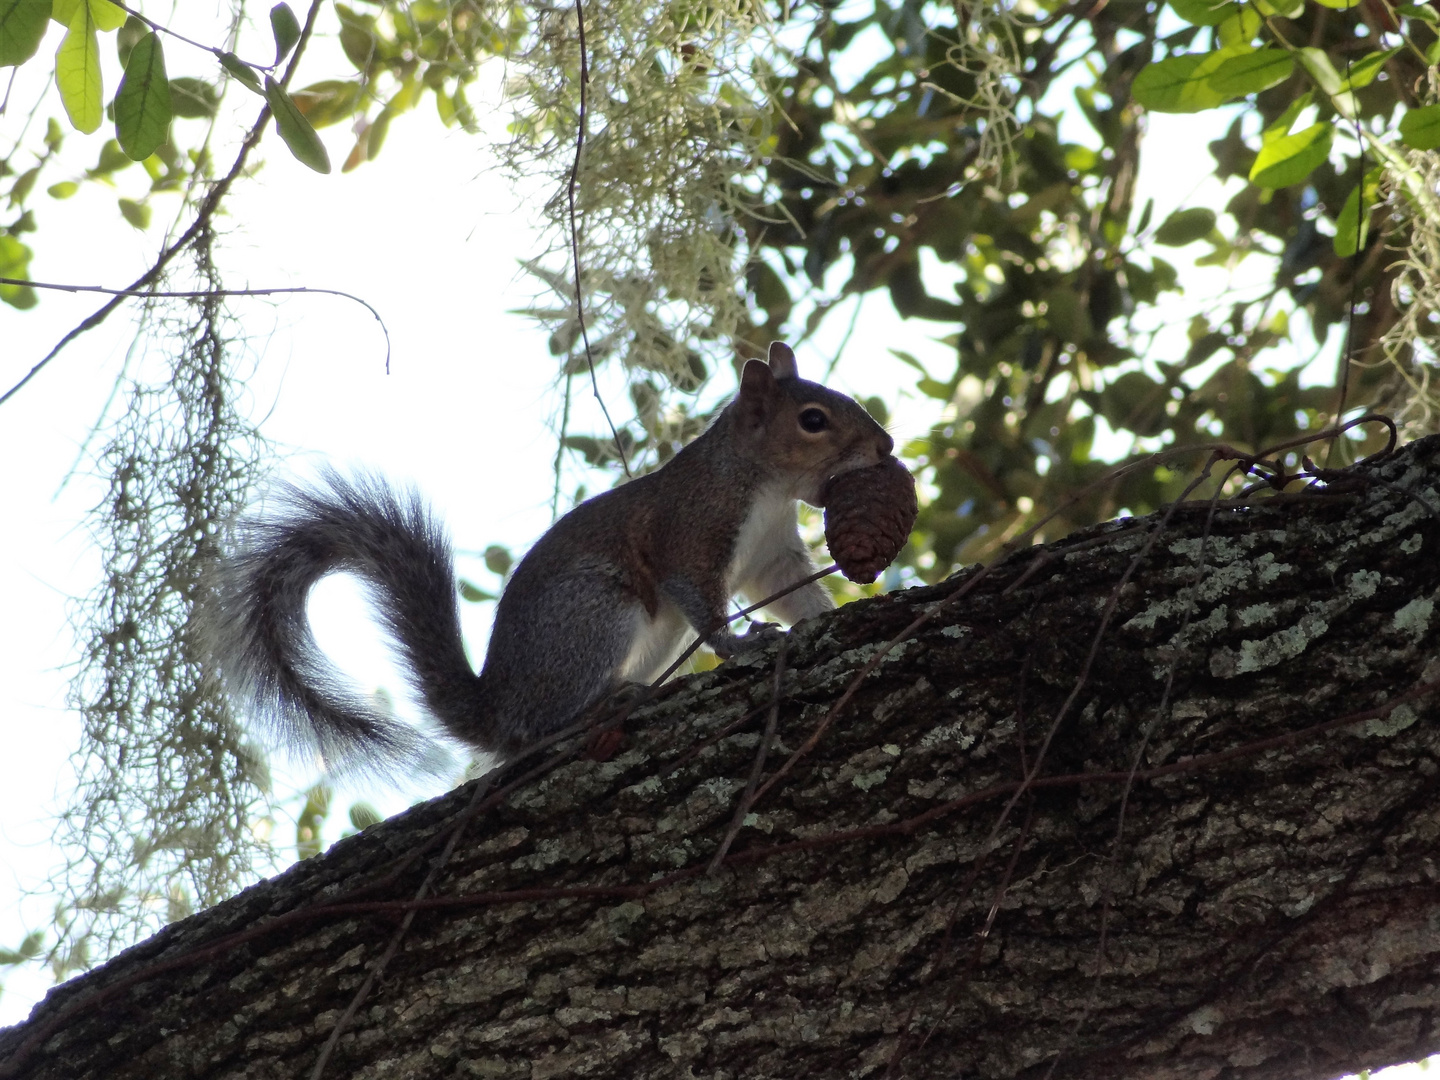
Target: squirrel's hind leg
(656,644)
(555,653)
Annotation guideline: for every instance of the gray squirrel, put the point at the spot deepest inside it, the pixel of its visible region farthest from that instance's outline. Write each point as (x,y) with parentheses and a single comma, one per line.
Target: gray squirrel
(605,597)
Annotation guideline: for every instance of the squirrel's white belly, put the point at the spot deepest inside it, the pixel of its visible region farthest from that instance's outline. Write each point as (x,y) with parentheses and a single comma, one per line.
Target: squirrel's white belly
(767,532)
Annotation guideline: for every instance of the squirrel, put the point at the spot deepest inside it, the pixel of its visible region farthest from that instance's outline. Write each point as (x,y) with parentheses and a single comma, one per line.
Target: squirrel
(605,597)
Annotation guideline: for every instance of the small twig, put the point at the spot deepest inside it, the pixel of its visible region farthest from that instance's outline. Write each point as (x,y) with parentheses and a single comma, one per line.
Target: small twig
(204,294)
(845,341)
(1346,349)
(560,448)
(575,231)
(160,28)
(762,751)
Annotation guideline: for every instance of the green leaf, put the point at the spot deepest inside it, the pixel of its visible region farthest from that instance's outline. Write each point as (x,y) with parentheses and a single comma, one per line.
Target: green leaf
(15,263)
(1080,158)
(242,71)
(376,135)
(1251,72)
(1204,12)
(473,593)
(909,359)
(445,106)
(142,104)
(107,16)
(22,25)
(1239,29)
(327,102)
(193,98)
(1166,276)
(286,29)
(112,159)
(357,37)
(1420,128)
(498,559)
(1363,73)
(136,213)
(1423,12)
(363,815)
(1185,227)
(299,136)
(1135,402)
(1144,222)
(1317,63)
(1286,120)
(1352,224)
(1289,9)
(20,191)
(1178,84)
(1338,5)
(1291,158)
(63,190)
(77,72)
(934,388)
(128,37)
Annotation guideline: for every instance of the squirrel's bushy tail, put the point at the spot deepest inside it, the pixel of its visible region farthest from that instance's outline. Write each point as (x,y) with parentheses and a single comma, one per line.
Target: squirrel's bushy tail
(260,634)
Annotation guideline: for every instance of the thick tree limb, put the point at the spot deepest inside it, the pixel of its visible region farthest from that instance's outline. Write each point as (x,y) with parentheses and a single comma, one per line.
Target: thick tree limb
(1241,883)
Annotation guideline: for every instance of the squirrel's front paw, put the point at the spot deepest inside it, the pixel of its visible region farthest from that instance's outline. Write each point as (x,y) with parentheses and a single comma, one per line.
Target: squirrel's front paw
(759,635)
(726,644)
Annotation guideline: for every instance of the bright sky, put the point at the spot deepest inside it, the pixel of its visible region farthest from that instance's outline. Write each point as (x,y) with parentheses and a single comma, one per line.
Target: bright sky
(432,239)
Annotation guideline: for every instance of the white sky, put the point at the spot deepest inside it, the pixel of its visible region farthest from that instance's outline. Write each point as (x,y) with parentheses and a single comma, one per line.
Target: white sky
(465,413)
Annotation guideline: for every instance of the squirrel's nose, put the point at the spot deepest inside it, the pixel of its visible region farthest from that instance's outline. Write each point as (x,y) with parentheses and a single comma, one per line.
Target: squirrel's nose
(886,444)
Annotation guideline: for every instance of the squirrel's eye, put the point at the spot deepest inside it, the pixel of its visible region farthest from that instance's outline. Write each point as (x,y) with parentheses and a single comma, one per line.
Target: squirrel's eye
(813,420)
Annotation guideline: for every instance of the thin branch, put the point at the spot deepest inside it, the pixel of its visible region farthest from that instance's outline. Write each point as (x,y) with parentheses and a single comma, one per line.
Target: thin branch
(160,28)
(575,231)
(202,294)
(335,910)
(1356,257)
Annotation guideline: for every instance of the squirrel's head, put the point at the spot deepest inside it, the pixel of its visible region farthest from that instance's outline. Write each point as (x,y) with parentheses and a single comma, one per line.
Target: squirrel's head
(801,431)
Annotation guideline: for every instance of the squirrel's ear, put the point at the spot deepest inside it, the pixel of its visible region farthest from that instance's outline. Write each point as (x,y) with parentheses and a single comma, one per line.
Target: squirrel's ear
(757,387)
(782,361)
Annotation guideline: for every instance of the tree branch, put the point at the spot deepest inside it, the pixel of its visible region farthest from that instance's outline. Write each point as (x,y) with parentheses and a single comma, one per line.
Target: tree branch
(1269,913)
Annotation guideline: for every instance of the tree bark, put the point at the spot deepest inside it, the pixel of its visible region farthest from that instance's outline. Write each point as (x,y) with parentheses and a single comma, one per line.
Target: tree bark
(1223,863)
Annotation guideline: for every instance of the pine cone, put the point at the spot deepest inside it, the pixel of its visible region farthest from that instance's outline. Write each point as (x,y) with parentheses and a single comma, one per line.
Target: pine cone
(868,517)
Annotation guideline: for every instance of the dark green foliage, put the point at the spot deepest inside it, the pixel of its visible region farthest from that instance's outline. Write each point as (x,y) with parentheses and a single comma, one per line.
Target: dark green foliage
(1056,264)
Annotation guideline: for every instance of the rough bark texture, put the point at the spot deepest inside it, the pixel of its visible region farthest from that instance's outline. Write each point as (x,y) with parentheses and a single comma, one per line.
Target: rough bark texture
(895,903)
